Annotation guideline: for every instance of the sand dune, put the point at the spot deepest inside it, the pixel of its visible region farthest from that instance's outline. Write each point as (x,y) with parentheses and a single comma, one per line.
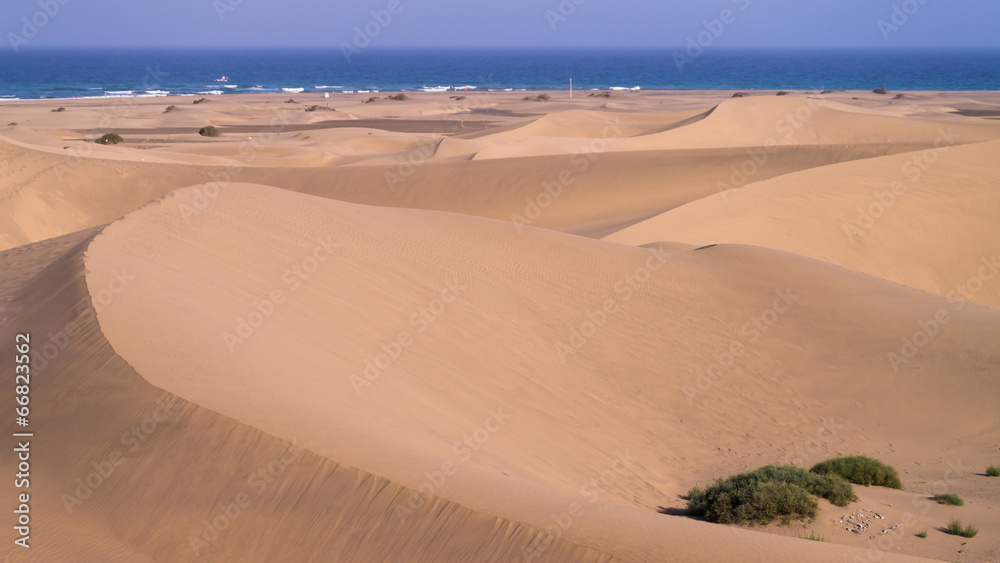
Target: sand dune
(770,122)
(926,219)
(169,464)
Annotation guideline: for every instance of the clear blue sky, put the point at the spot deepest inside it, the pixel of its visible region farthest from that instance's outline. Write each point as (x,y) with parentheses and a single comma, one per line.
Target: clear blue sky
(492,23)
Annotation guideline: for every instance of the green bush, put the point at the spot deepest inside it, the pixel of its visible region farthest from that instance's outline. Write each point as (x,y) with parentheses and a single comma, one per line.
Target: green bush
(768,494)
(110,139)
(209,131)
(397,97)
(922,534)
(991,471)
(951,499)
(956,528)
(860,470)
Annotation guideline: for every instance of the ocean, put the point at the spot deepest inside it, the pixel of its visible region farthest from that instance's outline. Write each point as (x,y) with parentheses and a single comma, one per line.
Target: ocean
(69,73)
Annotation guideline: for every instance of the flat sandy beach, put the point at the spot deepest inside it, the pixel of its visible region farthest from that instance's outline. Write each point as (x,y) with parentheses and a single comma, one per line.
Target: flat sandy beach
(467,326)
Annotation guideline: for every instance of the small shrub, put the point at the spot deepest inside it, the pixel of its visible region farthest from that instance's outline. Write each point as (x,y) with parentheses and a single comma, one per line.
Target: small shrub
(59,109)
(739,95)
(951,499)
(879,91)
(398,97)
(922,534)
(860,470)
(898,97)
(169,109)
(767,494)
(813,536)
(110,139)
(200,100)
(782,93)
(991,471)
(371,99)
(456,98)
(956,528)
(290,101)
(826,92)
(12,124)
(538,98)
(209,131)
(600,95)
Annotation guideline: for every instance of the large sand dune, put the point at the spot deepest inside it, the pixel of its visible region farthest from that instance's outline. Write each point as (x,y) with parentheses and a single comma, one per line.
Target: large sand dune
(926,219)
(302,358)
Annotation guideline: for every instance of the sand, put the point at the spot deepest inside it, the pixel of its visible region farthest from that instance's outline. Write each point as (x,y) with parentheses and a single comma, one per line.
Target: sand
(499,330)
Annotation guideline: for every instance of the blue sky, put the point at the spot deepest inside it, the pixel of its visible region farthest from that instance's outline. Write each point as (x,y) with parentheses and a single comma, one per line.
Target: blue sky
(492,23)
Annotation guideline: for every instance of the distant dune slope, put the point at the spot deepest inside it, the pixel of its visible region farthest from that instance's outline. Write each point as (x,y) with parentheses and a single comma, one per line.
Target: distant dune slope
(44,194)
(408,342)
(759,121)
(927,219)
